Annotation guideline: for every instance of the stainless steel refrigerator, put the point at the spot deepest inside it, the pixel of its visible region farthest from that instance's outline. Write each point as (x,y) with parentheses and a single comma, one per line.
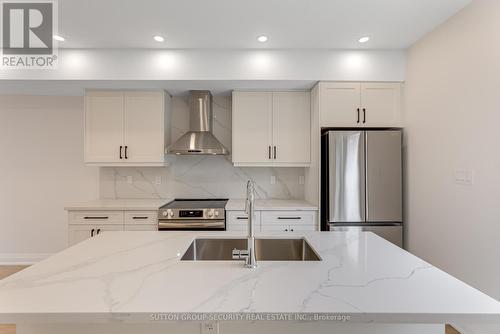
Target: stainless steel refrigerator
(362,182)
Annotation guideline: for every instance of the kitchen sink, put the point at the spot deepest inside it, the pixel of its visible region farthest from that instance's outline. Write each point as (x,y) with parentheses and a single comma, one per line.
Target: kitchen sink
(265,250)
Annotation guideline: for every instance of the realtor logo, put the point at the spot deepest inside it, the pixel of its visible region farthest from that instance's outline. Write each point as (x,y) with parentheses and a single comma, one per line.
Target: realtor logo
(27,30)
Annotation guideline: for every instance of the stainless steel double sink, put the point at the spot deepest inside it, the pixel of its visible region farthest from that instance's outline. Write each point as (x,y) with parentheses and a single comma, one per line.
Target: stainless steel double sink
(265,249)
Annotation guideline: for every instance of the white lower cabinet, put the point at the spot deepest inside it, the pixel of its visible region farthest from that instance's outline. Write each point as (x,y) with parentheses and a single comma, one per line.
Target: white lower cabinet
(79,233)
(288,221)
(238,221)
(273,221)
(88,224)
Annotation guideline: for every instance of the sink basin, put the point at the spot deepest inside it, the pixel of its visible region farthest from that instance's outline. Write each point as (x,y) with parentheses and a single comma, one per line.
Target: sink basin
(265,250)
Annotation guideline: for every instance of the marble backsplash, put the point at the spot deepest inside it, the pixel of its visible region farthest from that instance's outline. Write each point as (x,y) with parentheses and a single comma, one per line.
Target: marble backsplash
(200,176)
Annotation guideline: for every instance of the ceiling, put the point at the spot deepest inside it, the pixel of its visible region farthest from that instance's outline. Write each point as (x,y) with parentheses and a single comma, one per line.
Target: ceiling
(335,24)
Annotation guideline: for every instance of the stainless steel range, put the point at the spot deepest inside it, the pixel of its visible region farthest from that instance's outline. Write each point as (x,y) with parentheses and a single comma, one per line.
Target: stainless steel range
(193,214)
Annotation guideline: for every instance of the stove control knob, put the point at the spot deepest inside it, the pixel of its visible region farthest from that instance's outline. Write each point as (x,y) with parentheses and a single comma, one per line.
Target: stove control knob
(170,213)
(217,213)
(211,213)
(164,213)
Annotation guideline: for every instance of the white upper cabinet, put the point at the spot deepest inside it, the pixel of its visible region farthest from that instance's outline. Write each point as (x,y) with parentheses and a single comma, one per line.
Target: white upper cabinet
(360,104)
(340,103)
(103,126)
(126,128)
(381,104)
(143,127)
(271,129)
(292,127)
(252,127)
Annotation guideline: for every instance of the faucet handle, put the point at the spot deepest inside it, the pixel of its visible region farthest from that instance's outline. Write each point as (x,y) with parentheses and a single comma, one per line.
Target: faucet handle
(239,254)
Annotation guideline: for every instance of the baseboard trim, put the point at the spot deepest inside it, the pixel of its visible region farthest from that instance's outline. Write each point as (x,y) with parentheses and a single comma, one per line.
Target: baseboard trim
(13,259)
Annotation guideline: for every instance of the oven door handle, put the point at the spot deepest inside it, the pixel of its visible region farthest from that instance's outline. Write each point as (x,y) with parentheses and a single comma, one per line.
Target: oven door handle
(186,225)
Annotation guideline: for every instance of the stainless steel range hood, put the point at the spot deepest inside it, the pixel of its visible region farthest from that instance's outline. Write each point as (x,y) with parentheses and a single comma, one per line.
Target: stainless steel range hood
(199,140)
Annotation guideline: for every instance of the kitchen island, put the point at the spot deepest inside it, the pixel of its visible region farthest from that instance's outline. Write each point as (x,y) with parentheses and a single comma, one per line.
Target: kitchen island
(135,281)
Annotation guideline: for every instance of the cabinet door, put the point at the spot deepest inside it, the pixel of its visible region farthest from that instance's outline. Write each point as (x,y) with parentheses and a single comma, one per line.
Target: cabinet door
(103,126)
(292,127)
(339,104)
(381,104)
(144,127)
(79,233)
(252,127)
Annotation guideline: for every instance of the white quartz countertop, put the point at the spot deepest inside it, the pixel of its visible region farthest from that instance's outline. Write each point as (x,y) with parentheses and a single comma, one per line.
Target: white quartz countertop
(117,204)
(272,204)
(127,276)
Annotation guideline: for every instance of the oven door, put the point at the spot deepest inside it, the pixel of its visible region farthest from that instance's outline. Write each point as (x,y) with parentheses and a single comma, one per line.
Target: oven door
(191,225)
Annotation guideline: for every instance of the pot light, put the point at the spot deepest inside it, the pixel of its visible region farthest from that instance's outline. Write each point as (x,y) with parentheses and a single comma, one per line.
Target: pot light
(159,38)
(364,39)
(58,38)
(262,38)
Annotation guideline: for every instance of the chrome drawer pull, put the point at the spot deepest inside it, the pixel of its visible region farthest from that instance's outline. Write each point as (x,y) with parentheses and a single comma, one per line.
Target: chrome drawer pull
(241,218)
(95,217)
(140,217)
(290,218)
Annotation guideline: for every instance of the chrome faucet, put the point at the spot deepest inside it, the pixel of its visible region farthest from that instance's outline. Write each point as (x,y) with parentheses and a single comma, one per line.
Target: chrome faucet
(249,254)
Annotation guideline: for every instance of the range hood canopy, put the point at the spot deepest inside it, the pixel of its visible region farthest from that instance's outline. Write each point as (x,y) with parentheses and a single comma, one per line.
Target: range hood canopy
(199,140)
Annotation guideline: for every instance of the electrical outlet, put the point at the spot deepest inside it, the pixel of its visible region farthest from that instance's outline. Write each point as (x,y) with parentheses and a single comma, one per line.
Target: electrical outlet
(302,179)
(130,179)
(158,180)
(273,179)
(210,327)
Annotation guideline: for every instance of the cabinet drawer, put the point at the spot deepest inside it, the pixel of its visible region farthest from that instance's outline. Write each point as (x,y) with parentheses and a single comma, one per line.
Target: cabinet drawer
(238,221)
(141,218)
(96,217)
(288,218)
(142,227)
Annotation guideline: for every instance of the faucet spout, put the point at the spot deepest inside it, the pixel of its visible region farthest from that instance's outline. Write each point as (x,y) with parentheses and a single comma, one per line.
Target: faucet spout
(251,261)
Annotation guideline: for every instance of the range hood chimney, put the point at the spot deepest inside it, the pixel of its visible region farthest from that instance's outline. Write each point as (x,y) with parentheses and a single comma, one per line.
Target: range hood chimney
(199,140)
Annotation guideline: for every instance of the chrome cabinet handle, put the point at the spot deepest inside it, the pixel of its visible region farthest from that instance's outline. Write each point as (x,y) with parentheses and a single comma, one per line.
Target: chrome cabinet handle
(364,115)
(275,152)
(241,218)
(126,150)
(139,217)
(269,151)
(121,147)
(95,217)
(358,116)
(98,231)
(290,218)
(92,233)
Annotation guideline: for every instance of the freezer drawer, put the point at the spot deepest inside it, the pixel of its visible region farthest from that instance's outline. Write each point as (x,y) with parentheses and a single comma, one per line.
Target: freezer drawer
(391,233)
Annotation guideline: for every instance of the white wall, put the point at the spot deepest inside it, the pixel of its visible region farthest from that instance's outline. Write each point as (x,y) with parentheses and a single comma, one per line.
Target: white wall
(41,168)
(195,64)
(453,118)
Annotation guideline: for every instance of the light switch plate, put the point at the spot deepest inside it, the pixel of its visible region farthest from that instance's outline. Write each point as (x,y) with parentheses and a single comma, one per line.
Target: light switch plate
(464,177)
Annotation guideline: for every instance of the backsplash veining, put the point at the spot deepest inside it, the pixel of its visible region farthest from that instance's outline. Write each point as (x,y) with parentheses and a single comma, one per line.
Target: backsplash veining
(200,176)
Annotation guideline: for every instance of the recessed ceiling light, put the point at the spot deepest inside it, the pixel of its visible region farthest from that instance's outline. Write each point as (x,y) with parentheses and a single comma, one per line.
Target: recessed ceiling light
(262,38)
(58,38)
(364,39)
(158,38)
